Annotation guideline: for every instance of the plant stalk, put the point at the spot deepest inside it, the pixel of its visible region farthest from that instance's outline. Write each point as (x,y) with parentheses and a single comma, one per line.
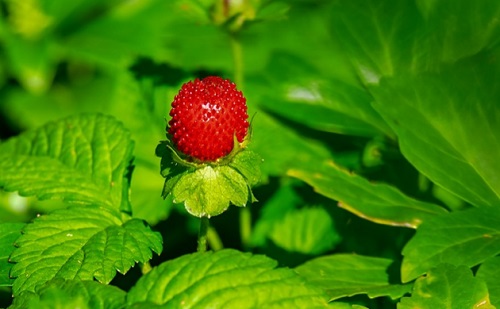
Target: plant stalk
(202,235)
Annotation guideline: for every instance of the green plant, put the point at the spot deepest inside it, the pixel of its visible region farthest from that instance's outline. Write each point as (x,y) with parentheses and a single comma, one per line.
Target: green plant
(377,121)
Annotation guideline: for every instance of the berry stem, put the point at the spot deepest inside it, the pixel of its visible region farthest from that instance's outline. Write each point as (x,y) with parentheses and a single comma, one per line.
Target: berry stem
(202,234)
(214,240)
(245,226)
(237,60)
(245,214)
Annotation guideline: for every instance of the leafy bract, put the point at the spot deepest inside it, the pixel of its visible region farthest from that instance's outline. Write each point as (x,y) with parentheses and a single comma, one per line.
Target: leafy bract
(447,125)
(380,203)
(448,286)
(308,230)
(207,190)
(60,293)
(81,159)
(80,243)
(343,275)
(225,279)
(460,238)
(489,271)
(9,232)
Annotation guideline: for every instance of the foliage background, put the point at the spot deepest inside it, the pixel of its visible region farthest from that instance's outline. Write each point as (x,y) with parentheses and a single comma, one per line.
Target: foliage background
(373,118)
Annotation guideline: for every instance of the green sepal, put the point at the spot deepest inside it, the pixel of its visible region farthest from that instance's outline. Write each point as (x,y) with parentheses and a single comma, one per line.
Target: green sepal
(207,189)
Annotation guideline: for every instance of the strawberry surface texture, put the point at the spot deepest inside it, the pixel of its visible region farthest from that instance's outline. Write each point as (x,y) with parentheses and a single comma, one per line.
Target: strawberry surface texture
(207,115)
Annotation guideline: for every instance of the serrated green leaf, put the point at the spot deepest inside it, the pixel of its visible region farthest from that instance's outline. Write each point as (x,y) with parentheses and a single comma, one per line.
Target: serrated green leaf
(226,278)
(447,125)
(308,230)
(448,286)
(81,159)
(379,203)
(460,238)
(208,191)
(489,271)
(344,275)
(80,243)
(60,293)
(9,232)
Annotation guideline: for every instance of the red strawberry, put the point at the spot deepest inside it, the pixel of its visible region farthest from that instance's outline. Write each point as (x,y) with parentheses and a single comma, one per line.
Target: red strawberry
(206,115)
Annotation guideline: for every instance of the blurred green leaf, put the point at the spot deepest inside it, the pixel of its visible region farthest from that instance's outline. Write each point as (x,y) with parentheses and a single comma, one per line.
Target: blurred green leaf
(466,237)
(448,286)
(116,38)
(380,203)
(447,125)
(9,233)
(489,271)
(282,148)
(80,243)
(226,278)
(283,200)
(308,230)
(344,275)
(59,293)
(296,90)
(384,38)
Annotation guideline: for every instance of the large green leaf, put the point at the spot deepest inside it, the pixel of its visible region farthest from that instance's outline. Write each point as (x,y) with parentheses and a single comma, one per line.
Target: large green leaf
(82,159)
(80,243)
(343,275)
(489,271)
(9,232)
(448,286)
(225,279)
(461,238)
(380,203)
(308,230)
(385,38)
(59,293)
(448,125)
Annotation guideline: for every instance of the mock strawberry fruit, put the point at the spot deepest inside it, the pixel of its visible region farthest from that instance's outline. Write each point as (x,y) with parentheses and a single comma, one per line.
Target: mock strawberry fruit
(207,115)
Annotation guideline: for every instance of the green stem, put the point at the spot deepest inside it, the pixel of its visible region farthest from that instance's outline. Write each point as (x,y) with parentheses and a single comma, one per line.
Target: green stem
(237,60)
(245,226)
(245,214)
(202,235)
(214,240)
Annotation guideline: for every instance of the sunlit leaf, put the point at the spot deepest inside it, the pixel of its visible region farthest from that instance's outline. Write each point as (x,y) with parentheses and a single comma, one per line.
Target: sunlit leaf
(380,203)
(448,286)
(82,159)
(9,232)
(447,125)
(226,278)
(343,275)
(71,294)
(466,237)
(80,243)
(489,271)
